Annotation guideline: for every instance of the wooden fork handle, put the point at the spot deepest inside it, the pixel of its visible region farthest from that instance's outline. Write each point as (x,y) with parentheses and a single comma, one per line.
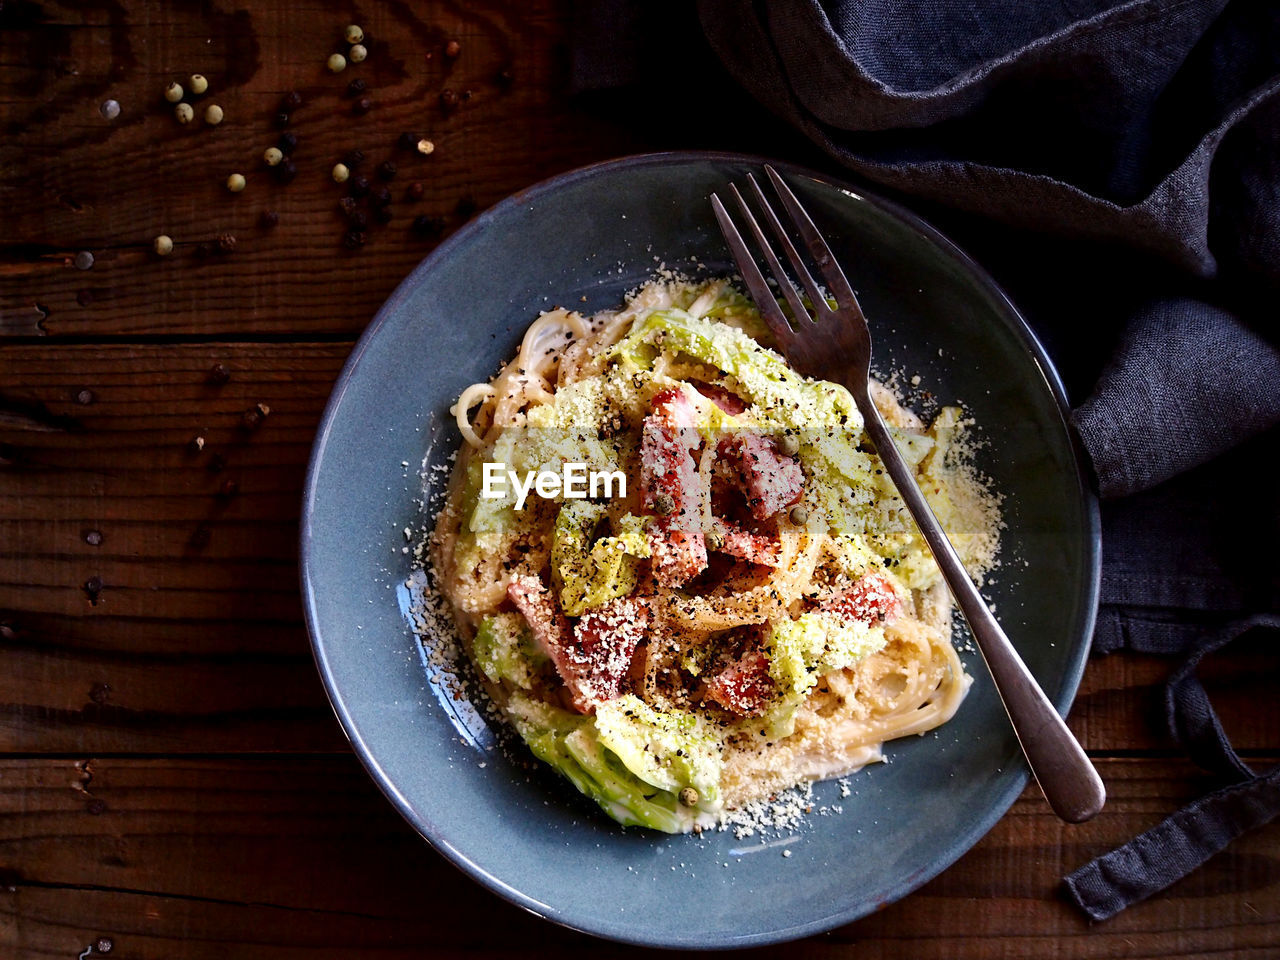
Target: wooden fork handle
(1067,778)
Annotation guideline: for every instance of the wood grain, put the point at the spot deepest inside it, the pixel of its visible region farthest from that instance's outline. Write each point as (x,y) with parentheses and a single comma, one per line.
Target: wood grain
(302,855)
(195,641)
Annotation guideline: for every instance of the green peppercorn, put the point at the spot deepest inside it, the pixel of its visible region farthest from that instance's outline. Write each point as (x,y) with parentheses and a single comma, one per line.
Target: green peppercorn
(184,113)
(788,444)
(340,173)
(799,515)
(336,63)
(357,53)
(163,245)
(173,92)
(198,84)
(235,182)
(272,156)
(213,114)
(354,34)
(664,504)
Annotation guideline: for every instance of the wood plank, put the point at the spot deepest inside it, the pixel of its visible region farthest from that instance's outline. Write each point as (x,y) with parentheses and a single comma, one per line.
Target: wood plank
(198,646)
(302,856)
(79,182)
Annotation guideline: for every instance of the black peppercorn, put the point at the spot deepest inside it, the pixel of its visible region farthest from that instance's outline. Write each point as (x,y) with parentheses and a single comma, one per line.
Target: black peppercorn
(425,226)
(452,49)
(448,100)
(416,191)
(353,158)
(93,538)
(268,219)
(228,489)
(252,418)
(287,142)
(285,171)
(354,239)
(359,187)
(358,219)
(93,587)
(347,205)
(219,373)
(362,106)
(386,170)
(281,119)
(382,214)
(201,251)
(84,397)
(380,197)
(292,100)
(356,87)
(407,141)
(505,78)
(226,242)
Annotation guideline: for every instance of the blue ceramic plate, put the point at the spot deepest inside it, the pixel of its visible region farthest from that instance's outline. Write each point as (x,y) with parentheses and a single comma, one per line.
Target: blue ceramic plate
(583,239)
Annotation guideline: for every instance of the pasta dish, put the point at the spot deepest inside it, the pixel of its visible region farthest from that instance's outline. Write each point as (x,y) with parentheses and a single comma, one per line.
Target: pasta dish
(743,603)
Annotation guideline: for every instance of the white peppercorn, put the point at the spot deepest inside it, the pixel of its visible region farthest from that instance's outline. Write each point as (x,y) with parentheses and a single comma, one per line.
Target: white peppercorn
(235,182)
(357,53)
(340,173)
(163,245)
(354,34)
(336,63)
(173,92)
(213,115)
(198,83)
(272,156)
(184,113)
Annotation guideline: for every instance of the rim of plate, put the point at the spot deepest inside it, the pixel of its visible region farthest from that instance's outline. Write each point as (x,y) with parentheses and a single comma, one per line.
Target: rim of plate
(1088,590)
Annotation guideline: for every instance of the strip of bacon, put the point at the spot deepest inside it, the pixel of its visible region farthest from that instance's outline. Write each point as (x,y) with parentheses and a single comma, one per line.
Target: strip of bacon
(726,400)
(592,657)
(771,482)
(744,687)
(745,545)
(871,599)
(604,643)
(668,472)
(676,556)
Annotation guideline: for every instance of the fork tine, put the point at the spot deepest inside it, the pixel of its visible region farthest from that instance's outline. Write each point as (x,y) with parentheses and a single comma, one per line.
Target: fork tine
(779,275)
(827,265)
(757,286)
(801,271)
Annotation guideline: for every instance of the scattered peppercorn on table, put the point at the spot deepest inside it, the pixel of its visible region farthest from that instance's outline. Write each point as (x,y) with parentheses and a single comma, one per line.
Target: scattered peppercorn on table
(203,207)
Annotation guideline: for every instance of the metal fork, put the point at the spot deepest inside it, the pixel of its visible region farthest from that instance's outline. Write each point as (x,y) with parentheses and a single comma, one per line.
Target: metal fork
(837,347)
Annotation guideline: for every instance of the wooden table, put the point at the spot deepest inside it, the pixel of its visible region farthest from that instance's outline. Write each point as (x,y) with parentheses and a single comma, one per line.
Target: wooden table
(172,780)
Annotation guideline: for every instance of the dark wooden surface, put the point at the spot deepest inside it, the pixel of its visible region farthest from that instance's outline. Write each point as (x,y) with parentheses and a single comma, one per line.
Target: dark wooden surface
(172,781)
